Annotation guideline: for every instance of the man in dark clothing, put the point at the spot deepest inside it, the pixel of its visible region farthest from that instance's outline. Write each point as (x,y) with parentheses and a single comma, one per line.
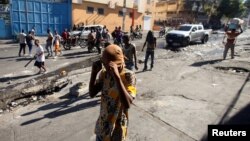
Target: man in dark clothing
(118,38)
(29,38)
(98,40)
(151,45)
(22,41)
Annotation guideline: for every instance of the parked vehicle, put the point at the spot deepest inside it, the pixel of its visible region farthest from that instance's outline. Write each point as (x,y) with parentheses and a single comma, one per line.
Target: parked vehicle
(187,33)
(84,31)
(163,31)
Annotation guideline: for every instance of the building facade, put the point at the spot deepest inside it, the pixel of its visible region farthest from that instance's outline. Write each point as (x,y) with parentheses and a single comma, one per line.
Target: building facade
(110,13)
(180,11)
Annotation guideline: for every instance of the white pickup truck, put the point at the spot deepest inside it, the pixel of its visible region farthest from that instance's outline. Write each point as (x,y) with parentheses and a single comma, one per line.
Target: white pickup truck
(187,33)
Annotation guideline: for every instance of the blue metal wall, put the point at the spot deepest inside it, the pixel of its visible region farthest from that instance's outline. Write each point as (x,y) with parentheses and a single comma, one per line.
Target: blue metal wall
(5,25)
(40,15)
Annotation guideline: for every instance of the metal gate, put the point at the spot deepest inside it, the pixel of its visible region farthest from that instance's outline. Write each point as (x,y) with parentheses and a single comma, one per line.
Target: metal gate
(5,21)
(147,23)
(40,15)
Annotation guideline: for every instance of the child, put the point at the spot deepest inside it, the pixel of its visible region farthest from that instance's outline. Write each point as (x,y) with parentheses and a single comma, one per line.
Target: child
(40,57)
(57,44)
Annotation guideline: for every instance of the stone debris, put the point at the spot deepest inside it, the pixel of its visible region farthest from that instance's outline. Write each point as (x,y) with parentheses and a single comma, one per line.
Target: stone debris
(33,89)
(33,98)
(63,73)
(33,81)
(13,104)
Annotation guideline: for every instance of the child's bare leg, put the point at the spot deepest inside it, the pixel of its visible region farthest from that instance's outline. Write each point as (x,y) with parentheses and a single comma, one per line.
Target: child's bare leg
(44,68)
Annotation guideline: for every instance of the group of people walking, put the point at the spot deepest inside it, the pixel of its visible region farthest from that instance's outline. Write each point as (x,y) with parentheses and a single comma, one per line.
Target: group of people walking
(30,40)
(26,39)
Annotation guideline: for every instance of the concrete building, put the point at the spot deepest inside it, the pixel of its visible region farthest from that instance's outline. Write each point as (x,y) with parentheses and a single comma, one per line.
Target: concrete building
(110,13)
(180,11)
(167,10)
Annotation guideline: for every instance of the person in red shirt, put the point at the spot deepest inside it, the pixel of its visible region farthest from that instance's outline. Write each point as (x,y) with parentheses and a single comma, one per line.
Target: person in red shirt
(65,36)
(231,40)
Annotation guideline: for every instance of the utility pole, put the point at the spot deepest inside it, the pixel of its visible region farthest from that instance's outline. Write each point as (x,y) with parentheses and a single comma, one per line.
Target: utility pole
(124,10)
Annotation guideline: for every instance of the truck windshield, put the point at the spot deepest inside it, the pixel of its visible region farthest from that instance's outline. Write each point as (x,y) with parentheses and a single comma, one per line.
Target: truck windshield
(184,28)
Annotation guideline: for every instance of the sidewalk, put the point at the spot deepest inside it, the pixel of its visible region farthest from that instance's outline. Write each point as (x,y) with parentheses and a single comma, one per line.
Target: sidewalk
(7,43)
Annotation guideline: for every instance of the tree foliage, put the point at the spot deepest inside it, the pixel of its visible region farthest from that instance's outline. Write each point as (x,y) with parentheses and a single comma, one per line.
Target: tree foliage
(210,7)
(247,4)
(231,8)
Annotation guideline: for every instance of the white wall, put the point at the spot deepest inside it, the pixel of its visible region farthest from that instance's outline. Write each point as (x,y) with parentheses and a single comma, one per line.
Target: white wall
(129,3)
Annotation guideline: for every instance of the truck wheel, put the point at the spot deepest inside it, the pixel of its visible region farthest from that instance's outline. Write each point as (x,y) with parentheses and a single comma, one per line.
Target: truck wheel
(186,42)
(205,39)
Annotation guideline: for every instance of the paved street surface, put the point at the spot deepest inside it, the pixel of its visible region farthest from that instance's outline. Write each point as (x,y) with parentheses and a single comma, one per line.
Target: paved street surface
(187,90)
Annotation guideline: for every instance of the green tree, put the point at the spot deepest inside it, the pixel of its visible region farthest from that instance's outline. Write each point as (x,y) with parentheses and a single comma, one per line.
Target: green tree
(231,8)
(210,7)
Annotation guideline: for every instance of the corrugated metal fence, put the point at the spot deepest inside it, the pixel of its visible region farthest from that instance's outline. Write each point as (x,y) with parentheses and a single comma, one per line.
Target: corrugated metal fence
(40,15)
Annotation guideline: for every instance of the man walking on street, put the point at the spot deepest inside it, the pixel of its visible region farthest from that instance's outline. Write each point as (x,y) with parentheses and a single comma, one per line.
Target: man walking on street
(98,40)
(91,41)
(151,45)
(117,85)
(29,39)
(49,43)
(130,54)
(22,41)
(231,40)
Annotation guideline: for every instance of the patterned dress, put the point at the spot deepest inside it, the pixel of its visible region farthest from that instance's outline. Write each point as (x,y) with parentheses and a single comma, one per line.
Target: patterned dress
(113,120)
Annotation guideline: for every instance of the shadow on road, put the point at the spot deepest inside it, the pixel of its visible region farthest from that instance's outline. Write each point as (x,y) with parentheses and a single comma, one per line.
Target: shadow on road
(9,57)
(62,108)
(23,59)
(201,63)
(6,79)
(78,55)
(242,117)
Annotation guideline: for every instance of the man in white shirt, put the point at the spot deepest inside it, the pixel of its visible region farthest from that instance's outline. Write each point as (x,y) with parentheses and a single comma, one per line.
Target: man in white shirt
(22,41)
(40,57)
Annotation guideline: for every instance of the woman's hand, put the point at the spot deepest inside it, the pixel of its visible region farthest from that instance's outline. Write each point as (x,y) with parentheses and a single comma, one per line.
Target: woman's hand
(96,66)
(114,69)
